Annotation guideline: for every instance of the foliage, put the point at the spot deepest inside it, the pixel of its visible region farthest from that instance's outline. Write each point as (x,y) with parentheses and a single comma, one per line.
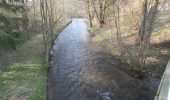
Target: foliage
(11,26)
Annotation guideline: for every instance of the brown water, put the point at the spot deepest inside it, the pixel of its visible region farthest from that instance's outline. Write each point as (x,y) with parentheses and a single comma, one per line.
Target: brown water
(80,73)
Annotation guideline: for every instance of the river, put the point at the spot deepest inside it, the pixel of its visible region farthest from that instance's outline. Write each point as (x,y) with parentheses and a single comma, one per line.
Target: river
(79,73)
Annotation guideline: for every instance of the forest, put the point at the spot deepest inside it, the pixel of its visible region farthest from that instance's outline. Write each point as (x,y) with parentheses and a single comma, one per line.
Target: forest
(84,49)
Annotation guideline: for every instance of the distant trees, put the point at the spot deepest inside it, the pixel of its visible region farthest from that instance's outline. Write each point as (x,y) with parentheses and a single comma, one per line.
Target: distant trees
(101,10)
(98,9)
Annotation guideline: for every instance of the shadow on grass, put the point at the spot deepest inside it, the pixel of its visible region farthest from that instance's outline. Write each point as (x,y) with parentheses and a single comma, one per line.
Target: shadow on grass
(158,57)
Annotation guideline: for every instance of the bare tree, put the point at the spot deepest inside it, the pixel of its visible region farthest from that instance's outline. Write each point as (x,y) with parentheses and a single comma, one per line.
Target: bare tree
(146,16)
(89,12)
(100,8)
(48,21)
(116,14)
(149,13)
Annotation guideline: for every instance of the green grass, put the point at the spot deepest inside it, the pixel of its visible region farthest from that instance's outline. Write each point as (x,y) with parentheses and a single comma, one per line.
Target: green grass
(25,77)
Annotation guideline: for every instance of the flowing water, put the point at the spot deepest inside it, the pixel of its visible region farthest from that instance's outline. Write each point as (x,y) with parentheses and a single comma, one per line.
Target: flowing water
(79,73)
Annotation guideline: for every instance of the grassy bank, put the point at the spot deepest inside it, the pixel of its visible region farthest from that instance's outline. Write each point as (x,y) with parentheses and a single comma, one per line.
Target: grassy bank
(25,77)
